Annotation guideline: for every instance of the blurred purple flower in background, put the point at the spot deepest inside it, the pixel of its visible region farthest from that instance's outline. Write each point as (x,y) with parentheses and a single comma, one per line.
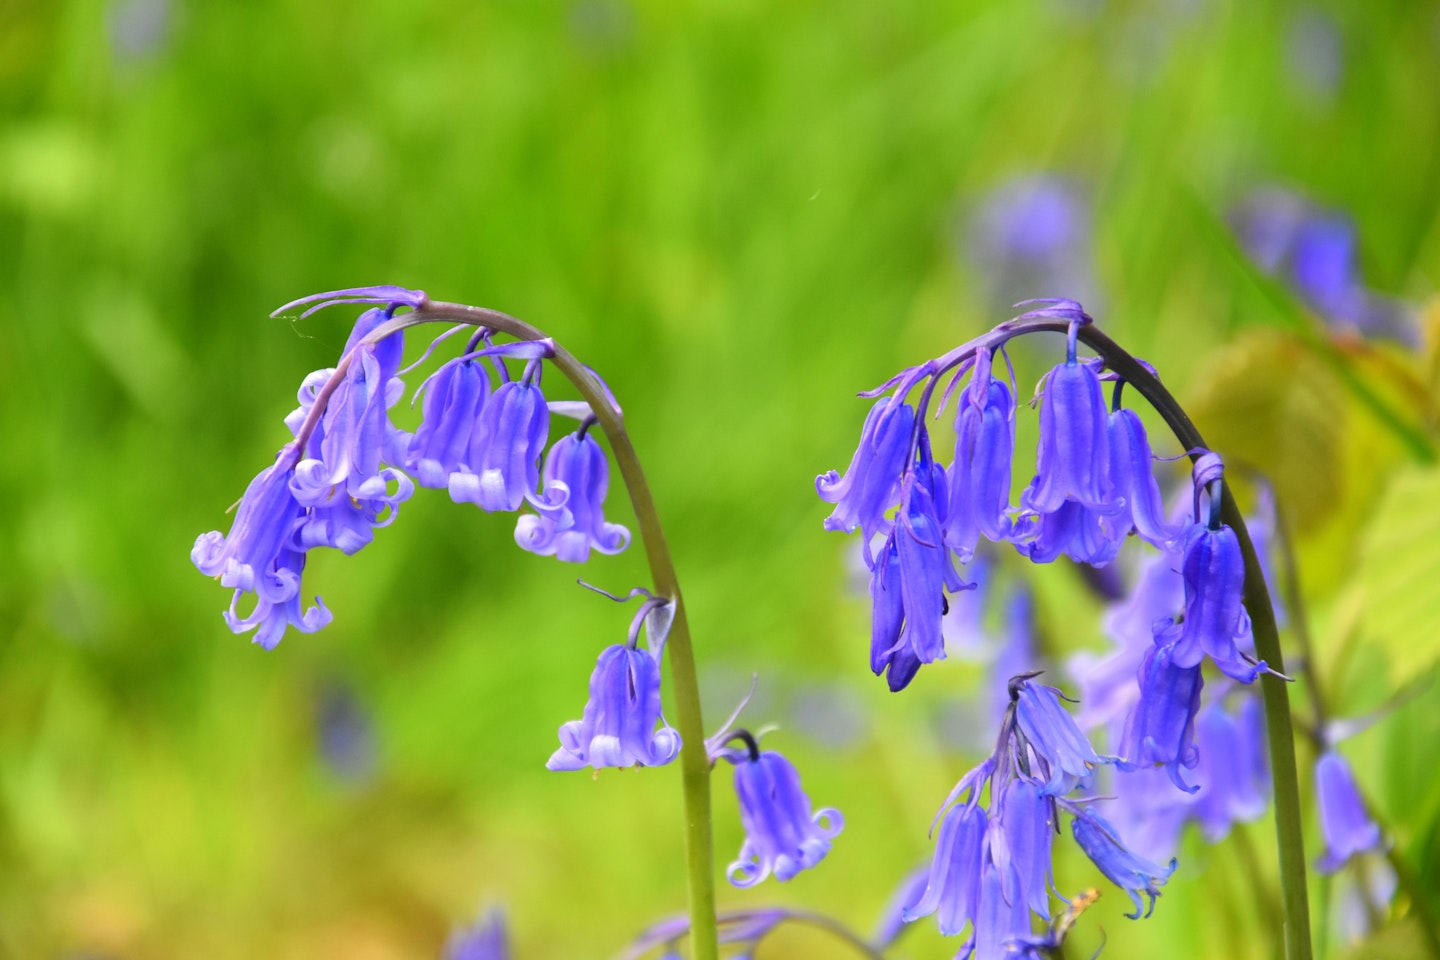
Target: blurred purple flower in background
(1344,822)
(484,940)
(1315,251)
(346,734)
(1031,236)
(1315,53)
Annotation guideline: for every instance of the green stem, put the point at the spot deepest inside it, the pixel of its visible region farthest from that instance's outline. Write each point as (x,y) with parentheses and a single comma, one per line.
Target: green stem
(694,762)
(1279,726)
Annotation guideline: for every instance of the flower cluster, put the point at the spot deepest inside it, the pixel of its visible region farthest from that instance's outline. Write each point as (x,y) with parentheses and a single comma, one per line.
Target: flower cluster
(1094,485)
(348,468)
(992,864)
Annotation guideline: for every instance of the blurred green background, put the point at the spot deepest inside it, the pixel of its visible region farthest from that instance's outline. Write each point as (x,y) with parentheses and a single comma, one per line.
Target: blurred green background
(740,213)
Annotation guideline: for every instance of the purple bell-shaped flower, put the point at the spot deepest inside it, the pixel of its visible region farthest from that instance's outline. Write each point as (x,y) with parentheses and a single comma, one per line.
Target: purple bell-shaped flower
(781,835)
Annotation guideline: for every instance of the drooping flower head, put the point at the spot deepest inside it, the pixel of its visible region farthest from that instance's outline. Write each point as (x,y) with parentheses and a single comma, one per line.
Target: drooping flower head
(984,449)
(619,725)
(782,835)
(871,485)
(1131,873)
(502,470)
(1161,727)
(1344,822)
(1073,457)
(577,475)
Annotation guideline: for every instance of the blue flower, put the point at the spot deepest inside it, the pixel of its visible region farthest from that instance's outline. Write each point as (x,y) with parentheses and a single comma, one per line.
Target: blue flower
(454,397)
(909,579)
(1073,457)
(1215,620)
(1132,479)
(1002,921)
(1065,755)
(579,475)
(485,940)
(1133,874)
(871,485)
(1020,835)
(271,616)
(1161,728)
(1344,821)
(952,890)
(258,554)
(502,470)
(1234,774)
(1084,534)
(781,835)
(617,728)
(355,433)
(984,449)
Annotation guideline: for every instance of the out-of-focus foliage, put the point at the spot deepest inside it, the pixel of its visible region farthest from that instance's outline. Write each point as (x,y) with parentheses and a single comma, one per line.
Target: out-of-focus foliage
(740,213)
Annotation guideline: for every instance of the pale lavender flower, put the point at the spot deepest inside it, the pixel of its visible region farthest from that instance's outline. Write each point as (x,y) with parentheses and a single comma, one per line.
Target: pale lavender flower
(502,470)
(487,939)
(577,475)
(1344,822)
(618,728)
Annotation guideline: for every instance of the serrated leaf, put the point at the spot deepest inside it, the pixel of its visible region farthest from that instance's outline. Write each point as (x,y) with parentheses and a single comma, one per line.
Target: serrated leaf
(1399,559)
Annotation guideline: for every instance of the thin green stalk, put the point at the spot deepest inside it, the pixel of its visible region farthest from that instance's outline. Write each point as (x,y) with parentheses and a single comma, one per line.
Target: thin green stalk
(1278,723)
(694,762)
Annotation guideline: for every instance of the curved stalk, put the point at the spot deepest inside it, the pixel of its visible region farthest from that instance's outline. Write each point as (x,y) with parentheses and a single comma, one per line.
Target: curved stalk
(1278,723)
(694,762)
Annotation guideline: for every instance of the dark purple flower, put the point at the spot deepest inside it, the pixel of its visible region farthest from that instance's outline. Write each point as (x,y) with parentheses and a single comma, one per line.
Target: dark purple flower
(1344,821)
(485,940)
(984,449)
(781,835)
(502,470)
(1133,874)
(871,485)
(1161,728)
(618,728)
(577,475)
(952,889)
(909,580)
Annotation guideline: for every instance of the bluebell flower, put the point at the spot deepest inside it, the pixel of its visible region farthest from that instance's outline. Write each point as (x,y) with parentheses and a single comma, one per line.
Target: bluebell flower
(952,888)
(455,395)
(1073,457)
(1002,920)
(346,521)
(871,485)
(1020,834)
(1084,534)
(984,449)
(781,835)
(270,617)
(1344,822)
(618,727)
(1234,774)
(578,475)
(346,734)
(1133,874)
(1215,619)
(485,940)
(908,582)
(1132,478)
(258,554)
(1065,755)
(1161,728)
(502,470)
(1152,811)
(356,434)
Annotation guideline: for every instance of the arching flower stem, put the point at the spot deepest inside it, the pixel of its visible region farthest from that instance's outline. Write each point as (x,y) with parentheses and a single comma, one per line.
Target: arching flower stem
(694,762)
